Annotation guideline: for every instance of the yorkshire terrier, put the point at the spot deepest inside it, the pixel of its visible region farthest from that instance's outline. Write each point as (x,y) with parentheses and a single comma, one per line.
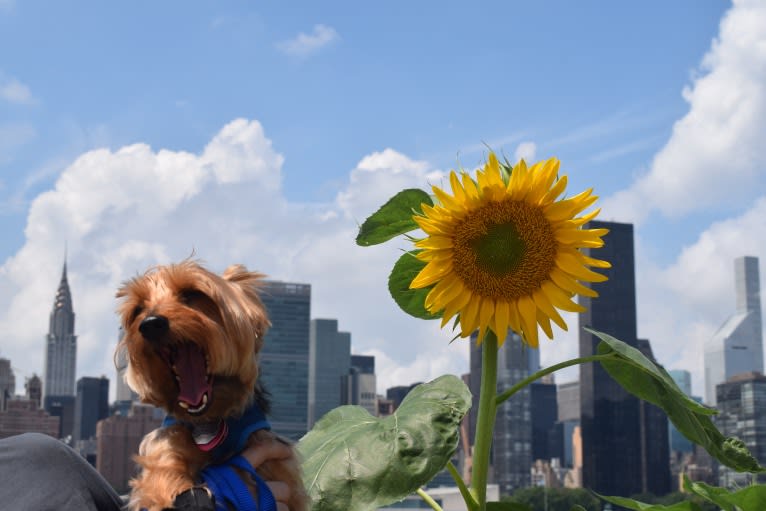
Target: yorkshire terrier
(192,340)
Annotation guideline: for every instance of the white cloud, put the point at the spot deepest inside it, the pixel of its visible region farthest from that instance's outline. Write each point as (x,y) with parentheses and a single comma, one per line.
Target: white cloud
(7,4)
(525,151)
(307,44)
(13,91)
(683,304)
(717,145)
(121,211)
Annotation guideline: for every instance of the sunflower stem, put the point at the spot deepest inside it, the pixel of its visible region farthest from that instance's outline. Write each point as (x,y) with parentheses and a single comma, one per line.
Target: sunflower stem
(548,370)
(429,500)
(485,422)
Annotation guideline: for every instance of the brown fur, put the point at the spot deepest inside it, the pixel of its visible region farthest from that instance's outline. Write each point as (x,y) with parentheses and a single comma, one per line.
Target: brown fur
(225,317)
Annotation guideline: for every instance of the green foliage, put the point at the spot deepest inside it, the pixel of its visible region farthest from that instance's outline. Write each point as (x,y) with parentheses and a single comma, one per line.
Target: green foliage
(353,461)
(507,506)
(751,498)
(393,218)
(642,506)
(641,377)
(558,499)
(411,301)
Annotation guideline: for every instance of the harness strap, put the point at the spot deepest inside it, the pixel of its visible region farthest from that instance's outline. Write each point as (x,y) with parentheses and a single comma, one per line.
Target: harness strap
(229,488)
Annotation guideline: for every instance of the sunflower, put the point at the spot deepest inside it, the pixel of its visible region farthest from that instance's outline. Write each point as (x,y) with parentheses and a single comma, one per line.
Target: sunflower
(501,252)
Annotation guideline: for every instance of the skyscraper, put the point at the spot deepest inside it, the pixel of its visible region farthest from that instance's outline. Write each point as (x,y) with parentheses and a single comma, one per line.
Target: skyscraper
(512,437)
(61,344)
(7,382)
(285,355)
(655,451)
(737,347)
(678,442)
(329,361)
(123,392)
(611,420)
(742,405)
(360,385)
(91,405)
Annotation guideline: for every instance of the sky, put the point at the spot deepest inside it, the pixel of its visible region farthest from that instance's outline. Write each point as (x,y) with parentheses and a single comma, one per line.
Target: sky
(265,133)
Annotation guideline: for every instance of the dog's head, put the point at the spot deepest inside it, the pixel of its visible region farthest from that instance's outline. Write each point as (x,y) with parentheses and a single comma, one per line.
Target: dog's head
(192,338)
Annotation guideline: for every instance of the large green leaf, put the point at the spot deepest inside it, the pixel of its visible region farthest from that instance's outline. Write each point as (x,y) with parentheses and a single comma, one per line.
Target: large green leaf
(643,378)
(750,498)
(393,218)
(412,301)
(641,506)
(356,462)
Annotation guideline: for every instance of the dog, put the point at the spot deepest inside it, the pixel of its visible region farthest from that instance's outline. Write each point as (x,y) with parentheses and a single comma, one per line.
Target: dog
(192,340)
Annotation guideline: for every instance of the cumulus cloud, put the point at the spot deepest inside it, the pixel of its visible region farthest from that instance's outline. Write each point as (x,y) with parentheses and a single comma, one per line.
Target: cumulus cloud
(122,211)
(717,145)
(13,91)
(304,45)
(526,151)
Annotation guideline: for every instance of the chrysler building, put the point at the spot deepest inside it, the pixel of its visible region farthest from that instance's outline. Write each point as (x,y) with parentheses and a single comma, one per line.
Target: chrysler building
(61,344)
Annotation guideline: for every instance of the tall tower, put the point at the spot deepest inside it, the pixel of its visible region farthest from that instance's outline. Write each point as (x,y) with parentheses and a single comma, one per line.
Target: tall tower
(285,355)
(610,416)
(329,362)
(61,344)
(737,347)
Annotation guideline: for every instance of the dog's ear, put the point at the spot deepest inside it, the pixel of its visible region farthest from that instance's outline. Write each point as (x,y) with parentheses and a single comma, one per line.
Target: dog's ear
(250,282)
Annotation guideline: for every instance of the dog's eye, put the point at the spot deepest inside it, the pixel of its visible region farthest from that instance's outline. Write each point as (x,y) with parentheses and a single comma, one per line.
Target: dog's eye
(190,295)
(136,311)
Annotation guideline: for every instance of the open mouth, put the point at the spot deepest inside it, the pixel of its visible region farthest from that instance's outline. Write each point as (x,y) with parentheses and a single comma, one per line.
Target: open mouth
(190,367)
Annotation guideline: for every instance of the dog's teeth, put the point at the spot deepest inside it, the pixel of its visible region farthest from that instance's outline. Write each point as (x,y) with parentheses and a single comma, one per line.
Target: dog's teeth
(183,405)
(204,400)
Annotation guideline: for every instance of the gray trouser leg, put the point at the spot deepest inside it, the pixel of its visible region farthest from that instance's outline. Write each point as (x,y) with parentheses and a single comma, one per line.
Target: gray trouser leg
(40,473)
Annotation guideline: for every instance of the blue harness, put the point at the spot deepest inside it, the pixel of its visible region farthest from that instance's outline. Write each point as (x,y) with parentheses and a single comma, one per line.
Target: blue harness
(227,486)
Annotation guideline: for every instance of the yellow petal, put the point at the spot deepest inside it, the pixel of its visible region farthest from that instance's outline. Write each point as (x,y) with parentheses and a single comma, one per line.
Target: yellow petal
(513,317)
(432,255)
(528,316)
(431,226)
(554,192)
(544,323)
(573,266)
(501,320)
(567,209)
(579,236)
(542,302)
(457,188)
(470,186)
(447,200)
(566,281)
(435,242)
(432,272)
(443,293)
(469,316)
(454,306)
(559,298)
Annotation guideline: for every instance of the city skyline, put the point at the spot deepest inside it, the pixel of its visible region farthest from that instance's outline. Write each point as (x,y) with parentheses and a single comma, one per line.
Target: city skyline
(165,150)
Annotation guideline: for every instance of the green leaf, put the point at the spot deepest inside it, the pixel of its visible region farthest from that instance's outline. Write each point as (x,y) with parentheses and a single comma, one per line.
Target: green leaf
(577,507)
(641,506)
(644,379)
(393,218)
(751,498)
(356,462)
(411,301)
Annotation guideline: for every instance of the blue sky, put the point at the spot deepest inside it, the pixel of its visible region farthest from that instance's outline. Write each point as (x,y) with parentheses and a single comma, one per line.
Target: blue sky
(331,93)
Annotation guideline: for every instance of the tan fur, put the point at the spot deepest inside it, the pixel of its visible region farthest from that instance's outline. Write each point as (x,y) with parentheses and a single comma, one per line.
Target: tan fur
(226,318)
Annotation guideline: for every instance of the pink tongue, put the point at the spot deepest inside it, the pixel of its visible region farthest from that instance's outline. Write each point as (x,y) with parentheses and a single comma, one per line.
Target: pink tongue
(189,361)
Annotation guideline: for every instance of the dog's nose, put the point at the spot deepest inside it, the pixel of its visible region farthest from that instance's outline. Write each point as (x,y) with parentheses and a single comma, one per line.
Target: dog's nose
(154,327)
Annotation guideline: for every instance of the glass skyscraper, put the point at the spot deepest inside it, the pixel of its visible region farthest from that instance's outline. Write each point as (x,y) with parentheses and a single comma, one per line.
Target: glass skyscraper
(329,362)
(615,439)
(737,347)
(285,355)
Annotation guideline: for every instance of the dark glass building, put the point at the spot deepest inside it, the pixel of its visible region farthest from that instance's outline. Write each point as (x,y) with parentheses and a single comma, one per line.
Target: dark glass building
(63,408)
(611,418)
(329,362)
(285,355)
(91,405)
(544,411)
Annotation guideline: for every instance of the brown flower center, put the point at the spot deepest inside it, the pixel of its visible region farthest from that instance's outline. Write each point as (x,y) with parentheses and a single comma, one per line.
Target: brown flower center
(504,250)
